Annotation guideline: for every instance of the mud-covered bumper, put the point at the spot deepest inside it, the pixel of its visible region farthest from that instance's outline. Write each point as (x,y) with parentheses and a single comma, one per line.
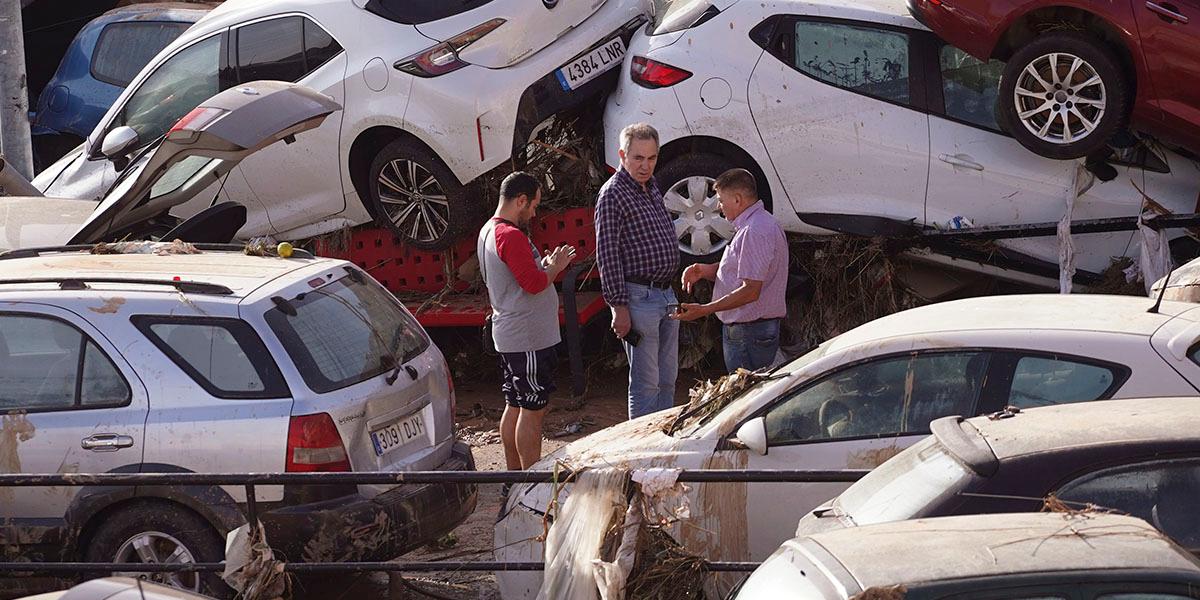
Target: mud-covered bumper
(355,528)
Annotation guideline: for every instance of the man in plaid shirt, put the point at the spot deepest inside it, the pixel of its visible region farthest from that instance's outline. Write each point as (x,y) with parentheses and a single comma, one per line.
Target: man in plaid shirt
(638,254)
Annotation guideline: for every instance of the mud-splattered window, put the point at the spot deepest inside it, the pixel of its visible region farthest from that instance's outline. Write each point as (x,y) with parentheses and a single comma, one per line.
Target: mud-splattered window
(868,61)
(970,87)
(224,356)
(47,364)
(1044,381)
(890,396)
(1163,493)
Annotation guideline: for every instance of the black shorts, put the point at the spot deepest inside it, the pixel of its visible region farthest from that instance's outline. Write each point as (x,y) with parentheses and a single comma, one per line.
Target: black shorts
(528,377)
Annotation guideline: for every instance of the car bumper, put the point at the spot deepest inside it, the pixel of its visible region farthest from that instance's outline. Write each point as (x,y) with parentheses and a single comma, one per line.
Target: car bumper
(354,528)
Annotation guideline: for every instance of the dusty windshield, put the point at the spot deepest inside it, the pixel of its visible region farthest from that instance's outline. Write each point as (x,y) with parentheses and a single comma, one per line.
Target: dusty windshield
(905,486)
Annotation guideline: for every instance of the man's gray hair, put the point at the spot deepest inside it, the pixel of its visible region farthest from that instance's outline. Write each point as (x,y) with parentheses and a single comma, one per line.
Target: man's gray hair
(638,131)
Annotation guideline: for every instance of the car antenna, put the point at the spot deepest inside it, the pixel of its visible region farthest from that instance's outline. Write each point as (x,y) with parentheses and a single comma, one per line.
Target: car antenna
(1161,292)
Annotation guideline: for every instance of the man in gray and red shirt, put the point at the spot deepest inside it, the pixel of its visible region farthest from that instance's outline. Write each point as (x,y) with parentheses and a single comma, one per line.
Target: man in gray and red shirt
(520,285)
(751,279)
(638,254)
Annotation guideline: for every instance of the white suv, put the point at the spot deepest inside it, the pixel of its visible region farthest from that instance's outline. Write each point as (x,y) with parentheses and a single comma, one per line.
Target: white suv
(217,362)
(436,94)
(853,110)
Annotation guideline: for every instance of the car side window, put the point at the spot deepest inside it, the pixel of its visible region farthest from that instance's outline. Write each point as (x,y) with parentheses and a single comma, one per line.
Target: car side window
(177,86)
(1163,493)
(285,49)
(889,396)
(272,49)
(48,364)
(970,87)
(124,48)
(865,60)
(225,356)
(1044,381)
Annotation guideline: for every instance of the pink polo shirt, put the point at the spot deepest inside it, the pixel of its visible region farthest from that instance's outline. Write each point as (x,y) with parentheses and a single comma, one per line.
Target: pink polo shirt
(758,251)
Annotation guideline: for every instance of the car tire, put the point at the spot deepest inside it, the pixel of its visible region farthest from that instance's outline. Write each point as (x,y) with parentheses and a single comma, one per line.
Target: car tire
(679,179)
(429,213)
(168,528)
(1062,122)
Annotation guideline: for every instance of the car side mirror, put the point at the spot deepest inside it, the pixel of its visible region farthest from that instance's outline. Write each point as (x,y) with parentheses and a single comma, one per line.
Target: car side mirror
(118,142)
(753,435)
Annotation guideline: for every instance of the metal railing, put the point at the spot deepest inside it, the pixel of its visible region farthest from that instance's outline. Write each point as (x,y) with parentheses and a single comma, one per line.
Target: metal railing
(251,480)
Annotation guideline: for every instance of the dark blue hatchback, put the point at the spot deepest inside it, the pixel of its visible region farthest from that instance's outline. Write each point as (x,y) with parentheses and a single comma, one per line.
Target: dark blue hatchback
(102,59)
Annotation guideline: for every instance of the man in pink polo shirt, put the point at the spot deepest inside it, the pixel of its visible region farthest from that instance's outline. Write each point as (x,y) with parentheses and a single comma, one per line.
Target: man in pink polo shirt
(751,278)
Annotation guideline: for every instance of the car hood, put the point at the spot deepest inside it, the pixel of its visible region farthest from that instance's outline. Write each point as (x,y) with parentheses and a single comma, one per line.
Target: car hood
(203,146)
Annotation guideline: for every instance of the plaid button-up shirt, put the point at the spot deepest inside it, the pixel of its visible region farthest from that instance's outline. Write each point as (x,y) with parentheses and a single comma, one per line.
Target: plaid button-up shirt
(635,236)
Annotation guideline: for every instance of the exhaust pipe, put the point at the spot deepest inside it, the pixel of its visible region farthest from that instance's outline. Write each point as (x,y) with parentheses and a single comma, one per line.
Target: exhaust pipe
(12,183)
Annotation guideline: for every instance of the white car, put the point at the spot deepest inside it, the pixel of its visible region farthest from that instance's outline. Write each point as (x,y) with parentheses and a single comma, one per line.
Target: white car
(852,109)
(863,396)
(436,94)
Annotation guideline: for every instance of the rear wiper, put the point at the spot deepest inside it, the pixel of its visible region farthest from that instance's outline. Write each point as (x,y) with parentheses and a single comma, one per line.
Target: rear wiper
(399,362)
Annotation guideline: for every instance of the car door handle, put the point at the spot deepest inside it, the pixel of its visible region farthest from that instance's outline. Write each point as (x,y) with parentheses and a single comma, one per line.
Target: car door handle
(960,160)
(106,442)
(1167,11)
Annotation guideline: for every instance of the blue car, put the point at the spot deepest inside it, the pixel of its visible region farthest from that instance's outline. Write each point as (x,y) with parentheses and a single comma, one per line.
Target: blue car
(102,59)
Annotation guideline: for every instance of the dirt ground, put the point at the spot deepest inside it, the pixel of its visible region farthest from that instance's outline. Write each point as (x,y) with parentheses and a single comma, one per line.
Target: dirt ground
(479,409)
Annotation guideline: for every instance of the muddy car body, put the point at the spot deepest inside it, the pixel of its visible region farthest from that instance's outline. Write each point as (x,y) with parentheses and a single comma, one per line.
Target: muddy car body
(1026,555)
(217,362)
(1134,457)
(862,397)
(854,110)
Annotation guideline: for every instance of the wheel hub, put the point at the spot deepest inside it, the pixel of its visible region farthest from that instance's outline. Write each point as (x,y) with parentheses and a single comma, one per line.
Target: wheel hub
(699,226)
(1060,98)
(154,547)
(413,200)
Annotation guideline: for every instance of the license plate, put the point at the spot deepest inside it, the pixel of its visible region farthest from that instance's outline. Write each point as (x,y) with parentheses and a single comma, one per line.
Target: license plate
(591,65)
(398,433)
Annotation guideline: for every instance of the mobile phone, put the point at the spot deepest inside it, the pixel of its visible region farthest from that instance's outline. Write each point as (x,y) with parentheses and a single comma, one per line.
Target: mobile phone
(634,337)
(672,309)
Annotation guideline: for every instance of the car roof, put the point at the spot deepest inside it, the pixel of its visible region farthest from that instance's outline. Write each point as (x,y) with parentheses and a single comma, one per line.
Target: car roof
(1046,312)
(1092,424)
(183,12)
(239,272)
(998,544)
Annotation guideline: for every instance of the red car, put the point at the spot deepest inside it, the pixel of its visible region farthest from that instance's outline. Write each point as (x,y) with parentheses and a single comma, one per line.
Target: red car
(1079,71)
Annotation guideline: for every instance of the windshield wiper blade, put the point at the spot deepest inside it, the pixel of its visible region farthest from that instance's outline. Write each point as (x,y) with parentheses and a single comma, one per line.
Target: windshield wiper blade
(399,362)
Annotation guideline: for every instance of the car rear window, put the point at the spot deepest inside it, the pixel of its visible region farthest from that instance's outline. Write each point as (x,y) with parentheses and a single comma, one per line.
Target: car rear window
(346,332)
(408,12)
(224,356)
(124,48)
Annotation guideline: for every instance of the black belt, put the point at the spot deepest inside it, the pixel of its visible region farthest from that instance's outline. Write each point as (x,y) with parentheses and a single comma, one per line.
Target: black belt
(756,321)
(650,283)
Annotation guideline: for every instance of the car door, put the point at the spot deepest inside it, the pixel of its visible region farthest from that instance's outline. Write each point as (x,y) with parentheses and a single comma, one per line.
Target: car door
(299,183)
(1170,37)
(837,106)
(1161,492)
(71,404)
(978,172)
(854,418)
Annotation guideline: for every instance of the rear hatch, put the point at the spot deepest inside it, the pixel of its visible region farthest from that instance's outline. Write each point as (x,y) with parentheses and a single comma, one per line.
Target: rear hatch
(529,25)
(202,147)
(369,365)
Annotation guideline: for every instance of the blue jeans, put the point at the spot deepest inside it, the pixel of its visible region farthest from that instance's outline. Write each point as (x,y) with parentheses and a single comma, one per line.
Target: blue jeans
(654,362)
(750,346)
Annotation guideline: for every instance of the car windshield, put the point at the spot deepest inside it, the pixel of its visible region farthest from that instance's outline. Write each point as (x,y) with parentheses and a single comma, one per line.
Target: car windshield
(346,332)
(673,15)
(905,486)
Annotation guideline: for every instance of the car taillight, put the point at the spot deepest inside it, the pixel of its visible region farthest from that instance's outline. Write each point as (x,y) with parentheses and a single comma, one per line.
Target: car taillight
(196,120)
(313,444)
(450,384)
(653,74)
(443,58)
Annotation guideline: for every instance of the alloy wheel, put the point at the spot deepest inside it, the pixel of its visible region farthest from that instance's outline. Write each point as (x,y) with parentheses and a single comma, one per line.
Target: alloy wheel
(413,200)
(1060,98)
(699,225)
(154,547)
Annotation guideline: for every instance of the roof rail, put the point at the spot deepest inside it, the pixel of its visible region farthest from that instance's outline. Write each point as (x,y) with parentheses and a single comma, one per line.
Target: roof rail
(38,251)
(80,283)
